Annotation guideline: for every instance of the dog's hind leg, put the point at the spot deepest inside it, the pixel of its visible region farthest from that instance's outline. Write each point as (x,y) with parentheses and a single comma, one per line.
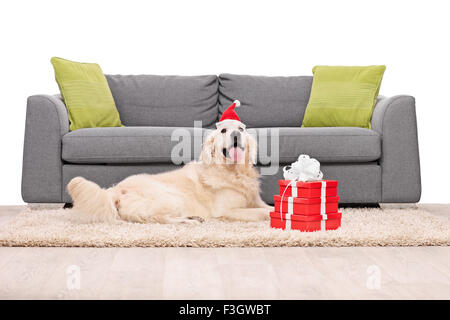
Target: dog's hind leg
(188,220)
(246,214)
(135,207)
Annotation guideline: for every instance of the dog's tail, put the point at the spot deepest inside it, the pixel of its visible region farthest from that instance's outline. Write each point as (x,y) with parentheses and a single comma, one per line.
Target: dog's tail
(92,203)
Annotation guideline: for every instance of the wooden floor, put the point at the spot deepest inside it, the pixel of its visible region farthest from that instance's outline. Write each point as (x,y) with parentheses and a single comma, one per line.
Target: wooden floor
(225,273)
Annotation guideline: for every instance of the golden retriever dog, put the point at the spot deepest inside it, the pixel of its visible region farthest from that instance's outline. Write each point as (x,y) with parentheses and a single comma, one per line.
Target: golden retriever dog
(222,184)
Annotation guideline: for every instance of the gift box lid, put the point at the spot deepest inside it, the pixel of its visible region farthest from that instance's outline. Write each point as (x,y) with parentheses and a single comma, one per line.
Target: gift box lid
(277,198)
(298,217)
(309,184)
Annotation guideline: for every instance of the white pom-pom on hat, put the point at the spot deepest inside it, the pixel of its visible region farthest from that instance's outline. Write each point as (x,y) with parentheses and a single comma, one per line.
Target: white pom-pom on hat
(237,103)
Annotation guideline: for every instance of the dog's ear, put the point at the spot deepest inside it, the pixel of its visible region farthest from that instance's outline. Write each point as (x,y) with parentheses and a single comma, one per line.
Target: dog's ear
(207,154)
(252,149)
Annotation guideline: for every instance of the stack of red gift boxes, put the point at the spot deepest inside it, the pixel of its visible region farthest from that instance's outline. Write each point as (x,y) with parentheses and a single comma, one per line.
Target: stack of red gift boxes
(306,206)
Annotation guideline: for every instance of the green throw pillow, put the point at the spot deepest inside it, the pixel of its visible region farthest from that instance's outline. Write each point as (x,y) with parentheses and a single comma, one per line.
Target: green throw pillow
(343,96)
(86,94)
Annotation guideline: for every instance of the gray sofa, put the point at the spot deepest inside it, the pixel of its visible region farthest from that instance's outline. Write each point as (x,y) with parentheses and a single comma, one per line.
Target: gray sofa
(374,165)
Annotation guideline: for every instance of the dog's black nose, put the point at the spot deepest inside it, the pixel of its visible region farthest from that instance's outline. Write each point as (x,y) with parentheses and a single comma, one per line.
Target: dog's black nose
(235,137)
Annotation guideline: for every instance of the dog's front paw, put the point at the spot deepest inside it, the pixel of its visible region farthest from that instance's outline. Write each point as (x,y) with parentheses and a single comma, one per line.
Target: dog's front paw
(265,216)
(191,222)
(196,218)
(262,215)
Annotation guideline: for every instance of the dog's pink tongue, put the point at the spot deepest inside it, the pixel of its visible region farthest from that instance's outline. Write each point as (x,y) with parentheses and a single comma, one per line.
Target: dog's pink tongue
(235,154)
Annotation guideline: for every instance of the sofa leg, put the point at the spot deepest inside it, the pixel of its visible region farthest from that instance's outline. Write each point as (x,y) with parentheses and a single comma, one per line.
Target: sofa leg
(359,205)
(68,205)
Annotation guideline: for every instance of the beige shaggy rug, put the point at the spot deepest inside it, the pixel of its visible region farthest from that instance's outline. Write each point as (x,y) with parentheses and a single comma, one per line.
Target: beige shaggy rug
(360,227)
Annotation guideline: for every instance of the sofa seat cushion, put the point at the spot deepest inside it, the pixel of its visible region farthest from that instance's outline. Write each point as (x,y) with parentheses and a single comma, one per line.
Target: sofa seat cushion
(122,145)
(154,144)
(329,145)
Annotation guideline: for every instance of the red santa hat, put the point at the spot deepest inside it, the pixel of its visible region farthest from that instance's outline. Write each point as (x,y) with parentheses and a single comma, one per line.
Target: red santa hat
(229,114)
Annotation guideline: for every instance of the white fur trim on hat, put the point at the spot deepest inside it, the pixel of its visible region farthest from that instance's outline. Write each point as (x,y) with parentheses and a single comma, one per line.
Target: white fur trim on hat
(238,103)
(229,121)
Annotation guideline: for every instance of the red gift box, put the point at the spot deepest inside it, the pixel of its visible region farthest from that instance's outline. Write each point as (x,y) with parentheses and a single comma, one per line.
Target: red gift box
(305,206)
(305,223)
(313,189)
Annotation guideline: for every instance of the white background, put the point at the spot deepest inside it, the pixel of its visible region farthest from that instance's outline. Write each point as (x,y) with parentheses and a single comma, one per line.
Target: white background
(245,37)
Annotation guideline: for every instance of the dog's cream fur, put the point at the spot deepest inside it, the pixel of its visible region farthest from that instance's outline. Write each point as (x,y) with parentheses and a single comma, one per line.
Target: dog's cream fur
(214,187)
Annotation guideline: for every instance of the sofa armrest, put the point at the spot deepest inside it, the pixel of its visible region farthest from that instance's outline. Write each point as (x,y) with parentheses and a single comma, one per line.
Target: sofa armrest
(394,119)
(46,122)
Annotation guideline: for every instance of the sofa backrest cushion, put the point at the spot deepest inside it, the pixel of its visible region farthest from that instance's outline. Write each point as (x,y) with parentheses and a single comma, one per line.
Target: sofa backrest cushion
(266,101)
(175,101)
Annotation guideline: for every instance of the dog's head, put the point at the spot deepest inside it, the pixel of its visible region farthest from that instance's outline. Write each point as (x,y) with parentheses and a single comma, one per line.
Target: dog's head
(229,144)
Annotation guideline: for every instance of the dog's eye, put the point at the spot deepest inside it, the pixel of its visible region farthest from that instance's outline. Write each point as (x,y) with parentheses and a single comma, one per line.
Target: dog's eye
(241,129)
(223,130)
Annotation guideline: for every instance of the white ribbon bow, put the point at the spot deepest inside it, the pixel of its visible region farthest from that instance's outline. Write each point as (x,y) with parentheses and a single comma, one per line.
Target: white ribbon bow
(304,169)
